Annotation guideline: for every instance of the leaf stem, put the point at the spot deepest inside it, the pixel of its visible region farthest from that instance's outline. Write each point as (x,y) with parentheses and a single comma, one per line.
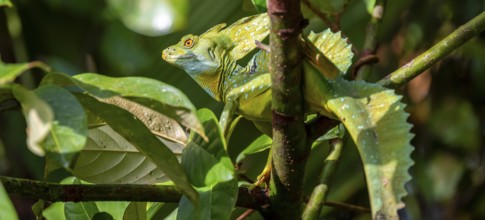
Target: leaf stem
(416,66)
(320,192)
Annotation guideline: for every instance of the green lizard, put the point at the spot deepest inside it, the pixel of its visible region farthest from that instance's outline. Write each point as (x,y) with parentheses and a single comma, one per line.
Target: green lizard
(372,115)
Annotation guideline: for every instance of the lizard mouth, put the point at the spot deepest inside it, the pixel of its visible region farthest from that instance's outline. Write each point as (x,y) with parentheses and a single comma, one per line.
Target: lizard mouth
(168,56)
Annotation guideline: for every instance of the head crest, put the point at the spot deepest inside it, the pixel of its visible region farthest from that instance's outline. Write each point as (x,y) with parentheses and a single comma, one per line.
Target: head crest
(243,34)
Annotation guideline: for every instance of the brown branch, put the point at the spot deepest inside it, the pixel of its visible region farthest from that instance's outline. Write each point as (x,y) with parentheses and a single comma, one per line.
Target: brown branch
(289,150)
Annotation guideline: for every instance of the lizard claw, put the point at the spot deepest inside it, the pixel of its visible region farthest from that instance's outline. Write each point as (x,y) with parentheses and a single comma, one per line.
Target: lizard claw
(264,177)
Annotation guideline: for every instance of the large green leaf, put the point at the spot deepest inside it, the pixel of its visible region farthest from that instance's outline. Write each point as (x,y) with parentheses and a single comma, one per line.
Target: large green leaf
(109,158)
(136,211)
(148,92)
(8,211)
(159,124)
(376,121)
(8,72)
(39,117)
(69,128)
(137,134)
(210,170)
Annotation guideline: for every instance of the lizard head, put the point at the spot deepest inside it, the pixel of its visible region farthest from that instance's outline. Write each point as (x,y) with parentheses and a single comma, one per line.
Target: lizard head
(204,54)
(196,55)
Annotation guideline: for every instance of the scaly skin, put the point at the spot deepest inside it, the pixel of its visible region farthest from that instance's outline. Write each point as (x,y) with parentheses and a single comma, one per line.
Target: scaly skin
(372,115)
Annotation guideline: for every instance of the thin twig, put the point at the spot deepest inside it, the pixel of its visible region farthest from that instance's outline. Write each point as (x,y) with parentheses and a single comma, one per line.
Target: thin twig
(363,70)
(320,192)
(262,46)
(419,64)
(246,214)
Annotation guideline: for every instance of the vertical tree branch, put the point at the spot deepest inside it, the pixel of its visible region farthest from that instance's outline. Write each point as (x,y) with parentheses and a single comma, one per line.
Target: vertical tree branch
(289,136)
(416,66)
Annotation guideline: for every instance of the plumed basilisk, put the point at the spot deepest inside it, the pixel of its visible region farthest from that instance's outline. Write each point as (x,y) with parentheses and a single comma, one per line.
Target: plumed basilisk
(373,115)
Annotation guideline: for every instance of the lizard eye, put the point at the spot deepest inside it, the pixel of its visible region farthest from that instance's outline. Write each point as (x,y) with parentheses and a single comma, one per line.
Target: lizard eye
(189,43)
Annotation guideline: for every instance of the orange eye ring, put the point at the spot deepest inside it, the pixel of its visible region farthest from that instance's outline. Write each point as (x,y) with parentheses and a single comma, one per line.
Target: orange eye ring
(189,43)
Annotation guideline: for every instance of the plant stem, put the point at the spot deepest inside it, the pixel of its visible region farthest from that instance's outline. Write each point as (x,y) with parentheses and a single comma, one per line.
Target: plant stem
(289,150)
(416,66)
(55,192)
(319,194)
(370,45)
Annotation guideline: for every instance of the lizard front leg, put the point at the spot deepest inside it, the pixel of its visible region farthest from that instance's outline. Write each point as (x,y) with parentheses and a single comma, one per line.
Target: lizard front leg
(227,116)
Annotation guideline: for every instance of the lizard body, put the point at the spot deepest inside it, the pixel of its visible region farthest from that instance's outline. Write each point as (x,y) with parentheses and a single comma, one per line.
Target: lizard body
(372,115)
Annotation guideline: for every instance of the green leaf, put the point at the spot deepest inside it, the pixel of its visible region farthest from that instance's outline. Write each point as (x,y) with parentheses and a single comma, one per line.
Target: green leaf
(136,211)
(159,124)
(260,5)
(262,143)
(137,134)
(109,158)
(115,209)
(376,121)
(151,93)
(369,5)
(8,211)
(55,211)
(39,117)
(5,3)
(69,129)
(210,169)
(153,17)
(78,210)
(8,72)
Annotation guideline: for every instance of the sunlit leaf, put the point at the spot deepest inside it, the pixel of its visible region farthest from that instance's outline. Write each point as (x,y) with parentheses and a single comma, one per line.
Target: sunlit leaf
(109,158)
(151,93)
(54,212)
(137,134)
(159,124)
(262,143)
(8,72)
(39,117)
(136,211)
(69,129)
(210,169)
(8,211)
(5,3)
(151,17)
(115,209)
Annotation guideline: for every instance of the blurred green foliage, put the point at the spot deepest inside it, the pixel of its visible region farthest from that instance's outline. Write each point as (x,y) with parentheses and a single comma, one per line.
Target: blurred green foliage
(447,102)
